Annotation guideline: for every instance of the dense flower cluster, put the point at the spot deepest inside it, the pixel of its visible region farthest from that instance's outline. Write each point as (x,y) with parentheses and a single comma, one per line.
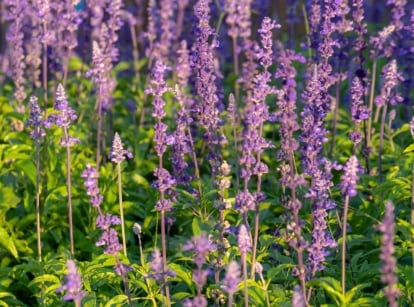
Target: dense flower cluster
(35,120)
(73,284)
(90,175)
(118,153)
(389,262)
(63,118)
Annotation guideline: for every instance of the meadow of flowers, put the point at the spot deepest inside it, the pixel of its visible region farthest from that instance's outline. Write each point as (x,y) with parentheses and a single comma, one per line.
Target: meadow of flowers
(206,153)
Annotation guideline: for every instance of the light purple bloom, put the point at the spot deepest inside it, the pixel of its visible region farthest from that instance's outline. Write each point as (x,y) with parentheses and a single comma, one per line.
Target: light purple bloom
(350,177)
(389,263)
(244,241)
(73,284)
(232,278)
(118,153)
(35,120)
(90,174)
(201,246)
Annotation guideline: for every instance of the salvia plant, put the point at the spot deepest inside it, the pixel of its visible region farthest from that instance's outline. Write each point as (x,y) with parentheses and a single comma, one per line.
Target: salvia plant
(206,153)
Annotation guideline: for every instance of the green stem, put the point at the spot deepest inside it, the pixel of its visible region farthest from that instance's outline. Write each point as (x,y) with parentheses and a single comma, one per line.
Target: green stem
(246,294)
(69,190)
(381,141)
(121,209)
(344,230)
(371,103)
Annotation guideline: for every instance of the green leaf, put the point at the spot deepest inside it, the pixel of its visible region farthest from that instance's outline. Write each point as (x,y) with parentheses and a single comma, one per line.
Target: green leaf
(118,300)
(349,295)
(27,167)
(409,148)
(332,287)
(7,242)
(195,225)
(46,278)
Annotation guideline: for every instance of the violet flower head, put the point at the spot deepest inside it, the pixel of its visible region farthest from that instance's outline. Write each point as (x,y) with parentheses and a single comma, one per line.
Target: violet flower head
(72,285)
(391,80)
(244,241)
(157,267)
(201,246)
(298,299)
(104,222)
(64,117)
(35,120)
(90,174)
(109,239)
(118,153)
(350,177)
(232,278)
(389,263)
(238,18)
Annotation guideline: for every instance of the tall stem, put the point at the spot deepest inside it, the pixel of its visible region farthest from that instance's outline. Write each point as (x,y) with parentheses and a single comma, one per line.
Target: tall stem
(371,103)
(44,68)
(69,190)
(121,208)
(99,129)
(412,215)
(344,223)
(164,256)
(195,162)
(39,243)
(335,120)
(246,294)
(381,141)
(135,55)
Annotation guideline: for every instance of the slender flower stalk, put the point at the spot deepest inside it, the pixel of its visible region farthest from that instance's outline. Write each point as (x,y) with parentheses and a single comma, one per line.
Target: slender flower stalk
(201,246)
(164,180)
(231,281)
(73,285)
(109,236)
(244,243)
(388,95)
(389,263)
(63,118)
(36,122)
(118,154)
(260,114)
(349,189)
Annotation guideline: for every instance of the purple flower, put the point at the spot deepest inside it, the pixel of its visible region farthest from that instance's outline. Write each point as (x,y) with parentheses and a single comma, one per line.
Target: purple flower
(63,118)
(201,246)
(389,263)
(391,79)
(91,184)
(350,177)
(35,120)
(16,15)
(109,238)
(298,299)
(118,153)
(104,222)
(232,278)
(73,284)
(244,241)
(203,64)
(156,267)
(245,201)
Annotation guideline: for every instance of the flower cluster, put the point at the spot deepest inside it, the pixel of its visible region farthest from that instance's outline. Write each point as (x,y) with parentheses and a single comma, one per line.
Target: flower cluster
(389,262)
(73,284)
(90,174)
(118,153)
(350,177)
(391,79)
(63,118)
(201,246)
(35,120)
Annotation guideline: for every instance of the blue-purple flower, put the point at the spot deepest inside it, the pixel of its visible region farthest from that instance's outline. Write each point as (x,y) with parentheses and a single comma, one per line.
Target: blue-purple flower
(72,285)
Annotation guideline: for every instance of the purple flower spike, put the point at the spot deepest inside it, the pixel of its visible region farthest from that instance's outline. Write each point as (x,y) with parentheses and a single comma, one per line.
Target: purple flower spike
(389,263)
(91,184)
(73,284)
(232,278)
(118,153)
(35,120)
(350,177)
(201,246)
(244,240)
